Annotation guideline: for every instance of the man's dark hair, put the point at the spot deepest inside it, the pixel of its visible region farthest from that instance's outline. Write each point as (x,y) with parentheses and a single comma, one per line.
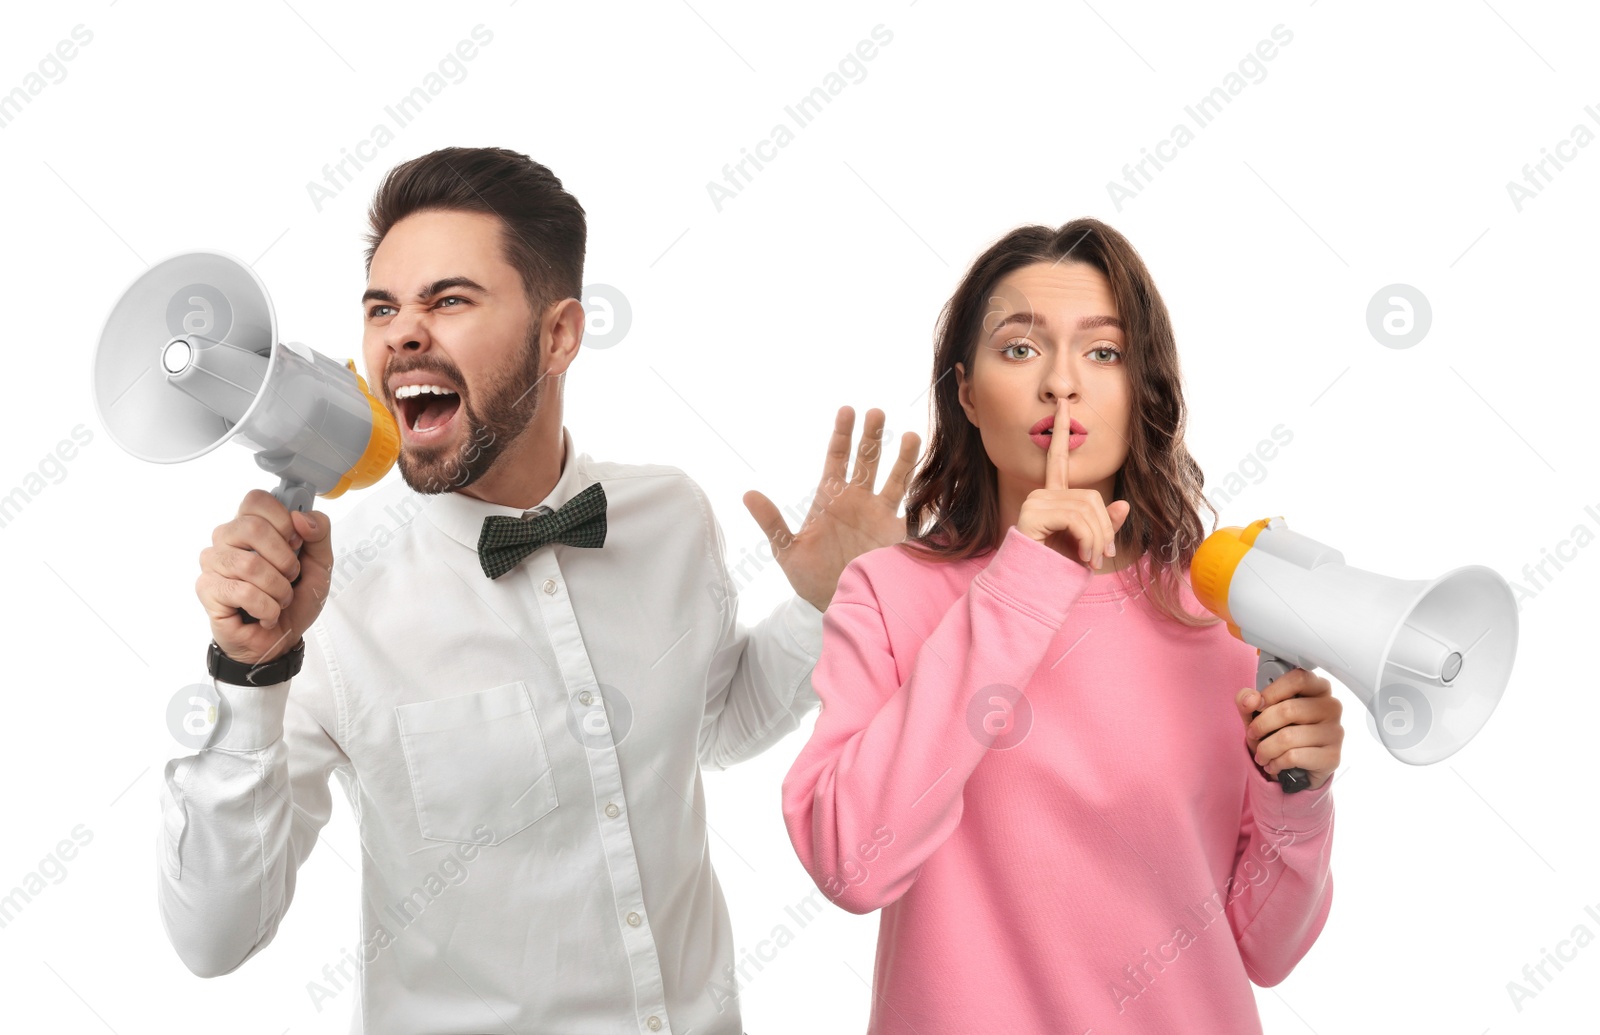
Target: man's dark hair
(543,226)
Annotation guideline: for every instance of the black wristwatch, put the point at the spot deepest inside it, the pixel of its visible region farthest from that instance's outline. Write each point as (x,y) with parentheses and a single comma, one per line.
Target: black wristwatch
(275,671)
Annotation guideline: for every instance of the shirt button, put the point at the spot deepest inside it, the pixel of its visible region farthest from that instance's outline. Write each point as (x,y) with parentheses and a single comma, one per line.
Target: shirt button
(585,697)
(612,810)
(653,1023)
(549,585)
(633,919)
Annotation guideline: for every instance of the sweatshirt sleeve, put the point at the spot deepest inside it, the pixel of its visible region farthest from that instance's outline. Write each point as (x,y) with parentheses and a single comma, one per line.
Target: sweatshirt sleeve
(242,815)
(1282,886)
(878,788)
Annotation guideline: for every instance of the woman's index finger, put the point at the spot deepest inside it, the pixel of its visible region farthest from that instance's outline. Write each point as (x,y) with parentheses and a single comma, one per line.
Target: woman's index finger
(1055,458)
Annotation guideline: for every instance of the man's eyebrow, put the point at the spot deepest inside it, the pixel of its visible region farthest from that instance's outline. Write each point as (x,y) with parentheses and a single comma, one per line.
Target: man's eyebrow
(380,295)
(1087,323)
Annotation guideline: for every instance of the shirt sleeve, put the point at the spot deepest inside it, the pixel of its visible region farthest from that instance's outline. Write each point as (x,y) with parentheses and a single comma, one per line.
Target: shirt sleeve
(1282,887)
(758,685)
(878,788)
(241,816)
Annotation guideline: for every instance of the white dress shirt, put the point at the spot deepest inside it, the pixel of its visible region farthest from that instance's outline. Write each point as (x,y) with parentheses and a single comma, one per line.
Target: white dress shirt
(532,860)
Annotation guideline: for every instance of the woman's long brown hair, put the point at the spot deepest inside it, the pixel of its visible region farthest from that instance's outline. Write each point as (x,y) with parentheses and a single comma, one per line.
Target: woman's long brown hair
(953,503)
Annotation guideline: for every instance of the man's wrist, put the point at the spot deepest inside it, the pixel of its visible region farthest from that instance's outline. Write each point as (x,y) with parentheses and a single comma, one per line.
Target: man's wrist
(264,673)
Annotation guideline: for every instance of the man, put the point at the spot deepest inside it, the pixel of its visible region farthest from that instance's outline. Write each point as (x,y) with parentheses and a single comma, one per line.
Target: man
(522,681)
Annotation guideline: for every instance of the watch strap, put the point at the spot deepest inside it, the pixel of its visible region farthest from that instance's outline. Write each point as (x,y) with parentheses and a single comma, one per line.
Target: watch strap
(267,673)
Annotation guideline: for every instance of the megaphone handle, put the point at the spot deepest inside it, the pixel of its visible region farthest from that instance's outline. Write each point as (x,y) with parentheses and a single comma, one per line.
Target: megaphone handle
(294,495)
(1268,669)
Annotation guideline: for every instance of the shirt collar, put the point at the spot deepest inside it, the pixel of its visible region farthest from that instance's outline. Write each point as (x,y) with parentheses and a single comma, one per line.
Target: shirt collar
(460,516)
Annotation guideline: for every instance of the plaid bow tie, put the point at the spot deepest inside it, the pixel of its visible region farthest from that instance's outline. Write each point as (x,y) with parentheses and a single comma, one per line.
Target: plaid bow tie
(506,540)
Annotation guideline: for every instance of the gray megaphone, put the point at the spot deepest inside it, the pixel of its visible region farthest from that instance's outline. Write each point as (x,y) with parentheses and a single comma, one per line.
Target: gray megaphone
(1429,659)
(190,359)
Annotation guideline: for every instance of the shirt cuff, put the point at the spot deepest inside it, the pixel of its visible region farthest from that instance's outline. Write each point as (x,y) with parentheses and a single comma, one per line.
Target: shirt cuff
(803,622)
(250,717)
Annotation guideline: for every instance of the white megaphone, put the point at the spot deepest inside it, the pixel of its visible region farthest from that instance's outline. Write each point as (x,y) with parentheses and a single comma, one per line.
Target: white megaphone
(1428,658)
(190,358)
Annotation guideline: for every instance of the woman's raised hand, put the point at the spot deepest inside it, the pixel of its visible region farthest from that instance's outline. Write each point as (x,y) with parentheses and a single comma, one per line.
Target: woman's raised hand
(1073,522)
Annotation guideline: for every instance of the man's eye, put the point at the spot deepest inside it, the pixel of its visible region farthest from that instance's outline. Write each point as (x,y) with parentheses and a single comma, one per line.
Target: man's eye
(374,310)
(450,298)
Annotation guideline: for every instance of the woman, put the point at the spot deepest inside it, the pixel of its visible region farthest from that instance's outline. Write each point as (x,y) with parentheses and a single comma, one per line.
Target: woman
(1033,753)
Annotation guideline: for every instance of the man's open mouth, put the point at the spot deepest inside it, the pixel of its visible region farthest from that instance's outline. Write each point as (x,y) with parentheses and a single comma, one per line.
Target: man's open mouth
(426,407)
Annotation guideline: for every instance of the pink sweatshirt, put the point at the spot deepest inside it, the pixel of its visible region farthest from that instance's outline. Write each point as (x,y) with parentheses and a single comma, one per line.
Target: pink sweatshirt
(1096,853)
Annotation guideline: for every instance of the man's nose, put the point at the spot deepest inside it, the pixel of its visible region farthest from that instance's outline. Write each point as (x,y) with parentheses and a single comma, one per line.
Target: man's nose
(408,332)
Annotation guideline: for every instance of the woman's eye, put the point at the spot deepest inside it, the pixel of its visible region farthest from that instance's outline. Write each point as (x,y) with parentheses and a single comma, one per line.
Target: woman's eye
(1005,350)
(1107,348)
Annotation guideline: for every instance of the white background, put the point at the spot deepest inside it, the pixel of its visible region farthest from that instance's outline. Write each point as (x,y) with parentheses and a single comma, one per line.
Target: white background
(1376,150)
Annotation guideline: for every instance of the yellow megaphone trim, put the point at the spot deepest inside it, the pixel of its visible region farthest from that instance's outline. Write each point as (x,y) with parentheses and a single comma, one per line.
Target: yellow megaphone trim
(383,445)
(1212,567)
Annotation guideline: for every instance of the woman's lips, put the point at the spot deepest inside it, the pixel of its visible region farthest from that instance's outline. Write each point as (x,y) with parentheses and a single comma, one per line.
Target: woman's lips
(1042,440)
(1041,437)
(1046,423)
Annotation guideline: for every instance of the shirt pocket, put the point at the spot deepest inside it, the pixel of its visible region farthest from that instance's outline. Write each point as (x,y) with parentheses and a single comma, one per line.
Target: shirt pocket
(477,763)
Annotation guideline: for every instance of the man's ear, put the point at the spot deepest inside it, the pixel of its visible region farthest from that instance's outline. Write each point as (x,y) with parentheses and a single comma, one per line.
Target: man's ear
(964,395)
(560,334)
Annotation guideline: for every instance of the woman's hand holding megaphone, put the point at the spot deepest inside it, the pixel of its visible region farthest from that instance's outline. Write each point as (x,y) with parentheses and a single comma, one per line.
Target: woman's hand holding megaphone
(1298,725)
(1072,522)
(250,566)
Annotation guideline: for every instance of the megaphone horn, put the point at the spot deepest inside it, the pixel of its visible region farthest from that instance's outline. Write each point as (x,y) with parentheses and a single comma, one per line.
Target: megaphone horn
(190,359)
(1429,659)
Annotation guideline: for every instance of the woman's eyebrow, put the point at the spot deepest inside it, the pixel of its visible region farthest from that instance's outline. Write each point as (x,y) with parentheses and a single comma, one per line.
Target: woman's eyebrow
(1086,323)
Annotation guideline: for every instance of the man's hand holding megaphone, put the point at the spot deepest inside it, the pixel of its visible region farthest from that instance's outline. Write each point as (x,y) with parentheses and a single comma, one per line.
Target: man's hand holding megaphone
(1297,725)
(253,563)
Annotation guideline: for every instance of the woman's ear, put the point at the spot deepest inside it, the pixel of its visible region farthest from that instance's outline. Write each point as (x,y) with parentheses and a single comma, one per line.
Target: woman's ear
(964,395)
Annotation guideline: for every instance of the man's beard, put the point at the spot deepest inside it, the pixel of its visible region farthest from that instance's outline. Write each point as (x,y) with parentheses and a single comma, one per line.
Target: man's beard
(509,404)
